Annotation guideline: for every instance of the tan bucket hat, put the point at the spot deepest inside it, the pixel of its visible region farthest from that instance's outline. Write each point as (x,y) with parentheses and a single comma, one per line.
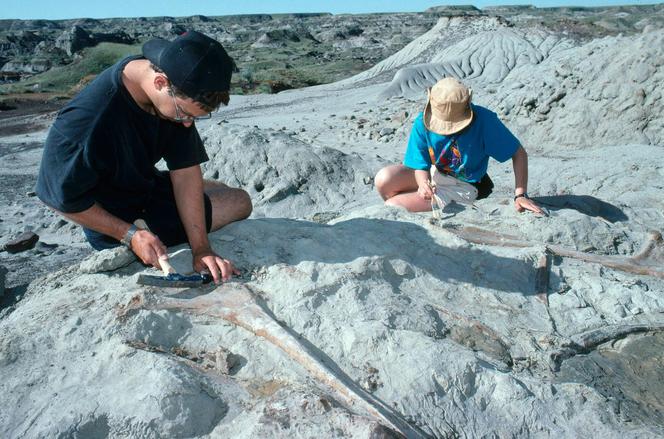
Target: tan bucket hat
(448,107)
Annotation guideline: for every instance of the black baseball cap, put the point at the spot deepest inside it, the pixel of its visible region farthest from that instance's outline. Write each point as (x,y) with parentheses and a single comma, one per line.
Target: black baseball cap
(193,62)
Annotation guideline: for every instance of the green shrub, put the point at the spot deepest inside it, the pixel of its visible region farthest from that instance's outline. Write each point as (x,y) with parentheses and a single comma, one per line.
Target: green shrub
(65,79)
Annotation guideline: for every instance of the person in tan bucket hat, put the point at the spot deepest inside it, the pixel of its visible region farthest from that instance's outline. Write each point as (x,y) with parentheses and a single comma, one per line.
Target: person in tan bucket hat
(448,108)
(452,140)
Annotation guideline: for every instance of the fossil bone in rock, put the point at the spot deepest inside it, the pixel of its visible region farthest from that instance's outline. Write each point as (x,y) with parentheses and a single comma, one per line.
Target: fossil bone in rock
(238,304)
(648,261)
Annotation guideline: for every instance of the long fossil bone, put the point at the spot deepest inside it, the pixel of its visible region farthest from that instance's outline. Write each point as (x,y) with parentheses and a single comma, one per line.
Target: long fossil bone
(590,339)
(648,261)
(237,304)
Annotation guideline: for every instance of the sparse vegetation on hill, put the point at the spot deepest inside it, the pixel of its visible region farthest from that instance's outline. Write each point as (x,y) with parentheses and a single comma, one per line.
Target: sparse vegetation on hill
(69,79)
(273,52)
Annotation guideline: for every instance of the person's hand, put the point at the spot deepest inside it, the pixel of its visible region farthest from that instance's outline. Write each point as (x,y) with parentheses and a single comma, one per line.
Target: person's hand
(221,269)
(425,191)
(522,204)
(147,246)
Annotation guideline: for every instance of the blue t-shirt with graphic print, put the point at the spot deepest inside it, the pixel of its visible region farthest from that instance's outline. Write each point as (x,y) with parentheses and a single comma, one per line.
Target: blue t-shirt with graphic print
(464,155)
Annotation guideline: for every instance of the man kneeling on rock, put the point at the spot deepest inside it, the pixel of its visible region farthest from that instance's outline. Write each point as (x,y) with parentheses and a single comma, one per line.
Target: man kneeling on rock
(457,138)
(98,167)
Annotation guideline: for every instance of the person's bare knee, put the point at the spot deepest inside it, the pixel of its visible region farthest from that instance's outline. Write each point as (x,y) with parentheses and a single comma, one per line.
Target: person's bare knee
(381,181)
(385,181)
(228,204)
(244,204)
(395,179)
(382,177)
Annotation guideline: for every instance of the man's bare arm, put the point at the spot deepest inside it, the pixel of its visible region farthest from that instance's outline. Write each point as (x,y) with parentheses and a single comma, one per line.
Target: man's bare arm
(146,245)
(188,190)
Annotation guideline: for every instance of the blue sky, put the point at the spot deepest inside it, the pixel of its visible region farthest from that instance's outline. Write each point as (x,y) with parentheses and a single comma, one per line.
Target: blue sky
(30,9)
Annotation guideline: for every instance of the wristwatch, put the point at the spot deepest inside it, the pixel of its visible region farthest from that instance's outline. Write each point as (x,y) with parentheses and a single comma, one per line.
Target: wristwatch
(130,234)
(524,195)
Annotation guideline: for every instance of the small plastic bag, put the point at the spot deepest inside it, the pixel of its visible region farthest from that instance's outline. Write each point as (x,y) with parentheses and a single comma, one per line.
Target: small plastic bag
(447,189)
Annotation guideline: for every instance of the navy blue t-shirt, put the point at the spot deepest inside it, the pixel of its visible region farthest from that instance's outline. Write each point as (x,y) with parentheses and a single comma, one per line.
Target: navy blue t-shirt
(103,148)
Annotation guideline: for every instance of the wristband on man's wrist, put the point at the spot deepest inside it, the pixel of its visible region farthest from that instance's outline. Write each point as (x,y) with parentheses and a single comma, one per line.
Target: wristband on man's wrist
(523,195)
(126,241)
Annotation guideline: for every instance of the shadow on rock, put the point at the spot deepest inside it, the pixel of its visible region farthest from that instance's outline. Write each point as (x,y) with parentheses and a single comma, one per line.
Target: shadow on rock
(585,204)
(10,298)
(287,241)
(628,373)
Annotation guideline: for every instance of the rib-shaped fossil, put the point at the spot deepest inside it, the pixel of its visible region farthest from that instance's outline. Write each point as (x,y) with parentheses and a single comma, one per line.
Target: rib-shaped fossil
(590,339)
(587,341)
(648,261)
(237,304)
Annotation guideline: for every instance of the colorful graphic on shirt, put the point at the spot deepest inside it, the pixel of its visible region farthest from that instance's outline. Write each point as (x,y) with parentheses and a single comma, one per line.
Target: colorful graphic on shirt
(449,161)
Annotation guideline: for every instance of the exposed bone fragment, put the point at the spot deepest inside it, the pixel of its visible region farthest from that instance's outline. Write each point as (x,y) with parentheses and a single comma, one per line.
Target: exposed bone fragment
(652,248)
(648,261)
(542,284)
(587,341)
(477,336)
(590,339)
(542,278)
(237,304)
(488,237)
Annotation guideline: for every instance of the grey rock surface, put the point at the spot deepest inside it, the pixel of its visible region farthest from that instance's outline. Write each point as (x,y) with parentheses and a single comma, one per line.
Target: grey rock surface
(500,63)
(107,260)
(454,336)
(284,175)
(74,40)
(402,316)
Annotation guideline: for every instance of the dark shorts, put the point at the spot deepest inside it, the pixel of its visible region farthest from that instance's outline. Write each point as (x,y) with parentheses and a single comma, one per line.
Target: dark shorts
(160,214)
(484,187)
